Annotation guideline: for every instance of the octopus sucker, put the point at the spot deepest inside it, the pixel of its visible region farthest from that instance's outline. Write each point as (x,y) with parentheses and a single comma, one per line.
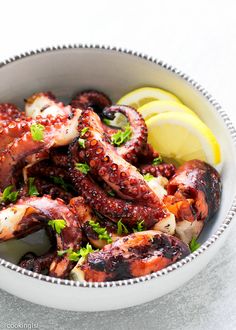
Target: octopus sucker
(8,113)
(165,170)
(135,255)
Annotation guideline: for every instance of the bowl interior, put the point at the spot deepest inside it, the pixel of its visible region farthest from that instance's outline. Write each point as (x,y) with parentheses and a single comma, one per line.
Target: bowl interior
(67,71)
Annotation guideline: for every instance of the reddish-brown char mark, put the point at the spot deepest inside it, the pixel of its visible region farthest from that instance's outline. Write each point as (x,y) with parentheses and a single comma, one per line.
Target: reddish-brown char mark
(91,99)
(135,255)
(198,184)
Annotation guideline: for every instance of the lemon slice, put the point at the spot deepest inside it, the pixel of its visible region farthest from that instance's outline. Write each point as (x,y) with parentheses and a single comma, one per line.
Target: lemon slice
(156,107)
(182,136)
(141,96)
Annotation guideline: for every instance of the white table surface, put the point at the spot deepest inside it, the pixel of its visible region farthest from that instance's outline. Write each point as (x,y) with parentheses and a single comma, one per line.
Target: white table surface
(199,37)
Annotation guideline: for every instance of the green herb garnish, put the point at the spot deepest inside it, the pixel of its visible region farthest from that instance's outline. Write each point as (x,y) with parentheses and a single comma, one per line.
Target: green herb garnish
(82,167)
(32,189)
(157,161)
(83,131)
(37,132)
(121,136)
(76,255)
(107,121)
(8,195)
(111,193)
(121,228)
(58,225)
(140,227)
(81,143)
(194,245)
(148,177)
(101,231)
(58,180)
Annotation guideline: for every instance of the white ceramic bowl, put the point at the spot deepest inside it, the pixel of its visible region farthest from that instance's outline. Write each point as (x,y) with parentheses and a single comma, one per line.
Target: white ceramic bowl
(64,71)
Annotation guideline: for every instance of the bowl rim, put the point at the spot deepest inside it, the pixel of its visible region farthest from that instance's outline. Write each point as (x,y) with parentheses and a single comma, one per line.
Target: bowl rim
(205,246)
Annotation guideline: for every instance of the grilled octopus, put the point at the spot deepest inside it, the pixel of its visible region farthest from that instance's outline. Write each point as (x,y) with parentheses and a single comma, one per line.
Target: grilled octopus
(111,190)
(135,255)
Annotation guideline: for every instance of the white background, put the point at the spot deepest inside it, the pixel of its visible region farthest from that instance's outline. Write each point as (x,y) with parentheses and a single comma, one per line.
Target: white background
(198,37)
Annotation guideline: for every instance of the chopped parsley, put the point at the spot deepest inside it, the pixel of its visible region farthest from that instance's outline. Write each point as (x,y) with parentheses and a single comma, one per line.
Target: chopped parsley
(101,231)
(58,225)
(121,136)
(82,167)
(83,131)
(157,161)
(32,189)
(81,143)
(8,195)
(140,227)
(60,181)
(121,228)
(76,255)
(107,122)
(148,177)
(37,132)
(111,193)
(194,245)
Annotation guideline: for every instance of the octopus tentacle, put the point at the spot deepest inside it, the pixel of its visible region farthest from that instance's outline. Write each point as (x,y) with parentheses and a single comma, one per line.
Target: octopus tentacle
(110,207)
(104,161)
(70,236)
(59,156)
(135,255)
(37,264)
(85,214)
(165,170)
(147,154)
(132,147)
(91,99)
(9,112)
(44,104)
(58,131)
(194,194)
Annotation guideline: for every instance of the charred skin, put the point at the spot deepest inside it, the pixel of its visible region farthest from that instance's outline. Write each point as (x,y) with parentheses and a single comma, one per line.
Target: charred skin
(130,149)
(200,182)
(38,264)
(137,254)
(91,99)
(194,194)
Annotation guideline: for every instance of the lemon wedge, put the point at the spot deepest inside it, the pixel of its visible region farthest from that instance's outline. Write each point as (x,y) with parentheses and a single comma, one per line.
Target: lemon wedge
(141,96)
(182,136)
(153,108)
